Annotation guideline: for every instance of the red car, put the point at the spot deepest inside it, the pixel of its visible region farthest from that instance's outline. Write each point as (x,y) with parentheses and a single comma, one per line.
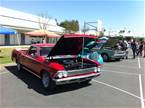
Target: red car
(58,64)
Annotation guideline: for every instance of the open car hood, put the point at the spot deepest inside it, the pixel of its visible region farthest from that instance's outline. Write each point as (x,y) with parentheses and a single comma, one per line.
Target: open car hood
(70,44)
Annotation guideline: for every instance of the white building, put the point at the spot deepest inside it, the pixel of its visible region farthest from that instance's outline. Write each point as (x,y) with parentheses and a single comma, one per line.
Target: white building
(24,22)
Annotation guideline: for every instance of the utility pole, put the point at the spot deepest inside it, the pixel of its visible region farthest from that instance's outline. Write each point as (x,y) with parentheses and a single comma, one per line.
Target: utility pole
(90,24)
(84,30)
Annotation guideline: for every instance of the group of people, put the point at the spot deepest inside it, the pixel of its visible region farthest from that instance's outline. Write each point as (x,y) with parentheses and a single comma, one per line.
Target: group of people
(34,41)
(137,48)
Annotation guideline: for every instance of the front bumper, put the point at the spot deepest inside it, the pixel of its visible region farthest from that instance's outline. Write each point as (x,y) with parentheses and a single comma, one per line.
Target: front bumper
(119,55)
(75,79)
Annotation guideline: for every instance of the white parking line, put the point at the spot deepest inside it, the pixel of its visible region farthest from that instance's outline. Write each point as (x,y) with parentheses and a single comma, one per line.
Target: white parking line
(140,86)
(131,94)
(120,72)
(114,65)
(1,73)
(139,66)
(141,91)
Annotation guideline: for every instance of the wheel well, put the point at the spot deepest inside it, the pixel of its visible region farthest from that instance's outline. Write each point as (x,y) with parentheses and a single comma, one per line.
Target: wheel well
(42,71)
(106,55)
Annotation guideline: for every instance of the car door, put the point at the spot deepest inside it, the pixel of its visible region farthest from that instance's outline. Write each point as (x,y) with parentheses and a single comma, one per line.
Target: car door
(29,58)
(35,60)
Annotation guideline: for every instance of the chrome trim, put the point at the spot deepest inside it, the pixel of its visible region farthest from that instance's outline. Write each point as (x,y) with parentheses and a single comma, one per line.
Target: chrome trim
(80,71)
(119,54)
(75,78)
(31,72)
(61,56)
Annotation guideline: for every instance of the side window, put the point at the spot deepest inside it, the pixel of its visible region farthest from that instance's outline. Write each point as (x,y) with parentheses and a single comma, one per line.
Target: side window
(100,45)
(32,50)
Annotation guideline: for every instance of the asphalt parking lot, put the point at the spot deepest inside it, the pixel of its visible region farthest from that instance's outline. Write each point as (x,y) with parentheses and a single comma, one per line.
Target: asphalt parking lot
(121,85)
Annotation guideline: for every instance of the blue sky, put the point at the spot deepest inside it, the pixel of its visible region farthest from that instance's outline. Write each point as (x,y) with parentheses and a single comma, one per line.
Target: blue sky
(114,14)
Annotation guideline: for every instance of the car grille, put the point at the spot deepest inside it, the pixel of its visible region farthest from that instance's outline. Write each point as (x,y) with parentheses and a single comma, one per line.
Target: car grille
(80,71)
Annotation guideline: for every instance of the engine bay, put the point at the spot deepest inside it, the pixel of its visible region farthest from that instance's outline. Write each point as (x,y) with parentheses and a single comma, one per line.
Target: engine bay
(74,63)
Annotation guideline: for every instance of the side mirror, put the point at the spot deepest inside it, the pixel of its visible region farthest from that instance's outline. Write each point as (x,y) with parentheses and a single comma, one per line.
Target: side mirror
(33,51)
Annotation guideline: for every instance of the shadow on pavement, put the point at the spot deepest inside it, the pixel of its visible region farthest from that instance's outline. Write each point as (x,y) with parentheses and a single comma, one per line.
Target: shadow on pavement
(34,82)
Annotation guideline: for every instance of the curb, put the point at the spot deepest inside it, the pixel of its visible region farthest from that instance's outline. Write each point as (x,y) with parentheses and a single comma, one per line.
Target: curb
(23,46)
(2,66)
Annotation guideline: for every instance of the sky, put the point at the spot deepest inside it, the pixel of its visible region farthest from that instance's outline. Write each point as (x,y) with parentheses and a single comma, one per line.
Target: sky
(115,14)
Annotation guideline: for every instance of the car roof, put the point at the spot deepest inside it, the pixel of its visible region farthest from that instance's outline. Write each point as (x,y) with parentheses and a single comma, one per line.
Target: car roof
(44,45)
(79,35)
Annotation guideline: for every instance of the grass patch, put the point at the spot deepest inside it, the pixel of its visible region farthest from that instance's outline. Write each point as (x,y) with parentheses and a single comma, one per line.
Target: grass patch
(5,55)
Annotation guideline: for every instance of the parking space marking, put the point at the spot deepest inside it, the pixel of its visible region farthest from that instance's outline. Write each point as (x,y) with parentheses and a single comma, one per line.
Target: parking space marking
(119,72)
(139,63)
(140,86)
(124,91)
(141,92)
(1,73)
(121,66)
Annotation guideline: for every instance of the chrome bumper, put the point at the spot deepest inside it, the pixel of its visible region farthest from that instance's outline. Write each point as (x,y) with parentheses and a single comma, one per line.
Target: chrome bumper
(75,79)
(119,54)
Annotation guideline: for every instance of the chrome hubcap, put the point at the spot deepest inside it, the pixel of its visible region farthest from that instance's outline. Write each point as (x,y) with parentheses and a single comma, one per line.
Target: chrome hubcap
(18,66)
(45,80)
(105,57)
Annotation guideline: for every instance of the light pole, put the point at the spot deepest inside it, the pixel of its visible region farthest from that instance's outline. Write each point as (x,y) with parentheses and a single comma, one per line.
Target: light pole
(91,25)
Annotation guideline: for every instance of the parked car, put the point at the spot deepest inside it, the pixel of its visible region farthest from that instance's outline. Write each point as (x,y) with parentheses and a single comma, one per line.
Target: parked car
(92,54)
(109,49)
(58,64)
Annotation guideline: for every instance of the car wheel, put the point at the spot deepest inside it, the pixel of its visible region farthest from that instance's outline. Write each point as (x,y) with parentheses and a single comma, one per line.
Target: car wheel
(105,57)
(117,59)
(85,82)
(46,81)
(19,67)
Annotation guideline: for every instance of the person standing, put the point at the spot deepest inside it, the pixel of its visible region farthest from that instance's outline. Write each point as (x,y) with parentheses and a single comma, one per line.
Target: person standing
(32,41)
(134,48)
(144,49)
(141,48)
(126,48)
(43,40)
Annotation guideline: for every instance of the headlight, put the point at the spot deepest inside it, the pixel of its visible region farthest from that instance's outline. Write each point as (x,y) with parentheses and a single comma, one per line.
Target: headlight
(65,73)
(61,74)
(97,69)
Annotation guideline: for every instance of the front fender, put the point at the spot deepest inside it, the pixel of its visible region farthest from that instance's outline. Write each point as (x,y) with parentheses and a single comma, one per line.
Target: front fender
(55,66)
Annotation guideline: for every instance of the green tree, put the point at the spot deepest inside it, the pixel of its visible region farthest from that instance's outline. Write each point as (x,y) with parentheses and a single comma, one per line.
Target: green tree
(70,26)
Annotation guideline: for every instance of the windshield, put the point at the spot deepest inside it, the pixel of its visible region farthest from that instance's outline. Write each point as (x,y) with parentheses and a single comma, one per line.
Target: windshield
(99,45)
(112,42)
(44,51)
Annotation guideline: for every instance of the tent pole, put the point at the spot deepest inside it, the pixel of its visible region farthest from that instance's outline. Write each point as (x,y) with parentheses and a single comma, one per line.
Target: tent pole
(18,39)
(82,53)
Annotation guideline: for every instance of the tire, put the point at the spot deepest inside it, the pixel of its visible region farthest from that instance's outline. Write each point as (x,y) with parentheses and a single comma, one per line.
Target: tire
(85,82)
(117,59)
(19,67)
(46,81)
(105,57)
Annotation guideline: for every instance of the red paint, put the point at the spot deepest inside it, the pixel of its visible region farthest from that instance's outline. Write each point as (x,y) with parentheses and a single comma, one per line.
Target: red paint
(55,65)
(38,63)
(79,35)
(44,45)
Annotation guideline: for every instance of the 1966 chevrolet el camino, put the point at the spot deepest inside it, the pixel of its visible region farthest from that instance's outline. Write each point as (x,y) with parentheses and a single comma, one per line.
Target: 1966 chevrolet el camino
(59,64)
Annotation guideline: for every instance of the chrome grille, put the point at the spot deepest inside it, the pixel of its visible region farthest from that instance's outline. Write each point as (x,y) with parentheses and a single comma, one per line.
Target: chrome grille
(80,71)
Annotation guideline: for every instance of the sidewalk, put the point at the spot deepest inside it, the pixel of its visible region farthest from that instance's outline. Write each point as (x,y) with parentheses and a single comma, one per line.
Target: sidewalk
(2,66)
(15,46)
